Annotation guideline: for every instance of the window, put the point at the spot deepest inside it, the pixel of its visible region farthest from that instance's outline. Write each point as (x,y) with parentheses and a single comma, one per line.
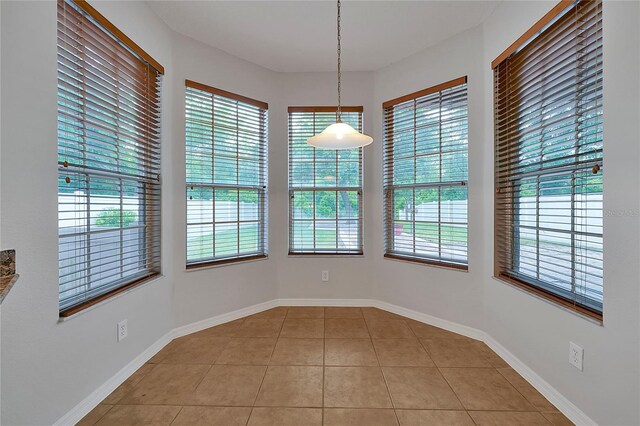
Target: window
(226,154)
(425,175)
(548,159)
(325,186)
(108,159)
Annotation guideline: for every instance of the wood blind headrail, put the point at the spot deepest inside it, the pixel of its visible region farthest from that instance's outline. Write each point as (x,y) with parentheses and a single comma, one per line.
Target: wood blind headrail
(325,108)
(226,94)
(525,38)
(115,31)
(425,92)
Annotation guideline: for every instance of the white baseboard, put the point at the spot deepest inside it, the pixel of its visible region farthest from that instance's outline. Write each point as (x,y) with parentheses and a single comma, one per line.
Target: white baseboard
(221,319)
(454,327)
(572,412)
(326,302)
(90,402)
(565,406)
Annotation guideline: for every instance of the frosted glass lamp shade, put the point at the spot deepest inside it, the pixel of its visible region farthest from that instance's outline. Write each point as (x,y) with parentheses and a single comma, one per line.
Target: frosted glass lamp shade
(339,136)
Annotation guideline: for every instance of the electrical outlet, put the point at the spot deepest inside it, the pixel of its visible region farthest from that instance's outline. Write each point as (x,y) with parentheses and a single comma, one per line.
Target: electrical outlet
(122,330)
(325,276)
(576,354)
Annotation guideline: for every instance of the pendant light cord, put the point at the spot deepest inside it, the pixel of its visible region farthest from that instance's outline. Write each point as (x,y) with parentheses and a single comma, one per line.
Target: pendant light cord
(339,51)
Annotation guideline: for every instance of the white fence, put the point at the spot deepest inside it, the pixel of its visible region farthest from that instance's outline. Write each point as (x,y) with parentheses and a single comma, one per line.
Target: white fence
(554,211)
(73,209)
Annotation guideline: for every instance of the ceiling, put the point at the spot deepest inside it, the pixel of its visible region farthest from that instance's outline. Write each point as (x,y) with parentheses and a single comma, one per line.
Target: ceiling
(300,36)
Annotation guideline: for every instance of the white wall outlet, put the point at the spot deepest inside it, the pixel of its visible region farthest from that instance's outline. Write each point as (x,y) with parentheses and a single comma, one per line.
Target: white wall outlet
(325,276)
(576,354)
(122,330)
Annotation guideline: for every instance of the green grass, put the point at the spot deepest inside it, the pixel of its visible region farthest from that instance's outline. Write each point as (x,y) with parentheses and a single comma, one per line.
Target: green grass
(201,247)
(429,232)
(325,238)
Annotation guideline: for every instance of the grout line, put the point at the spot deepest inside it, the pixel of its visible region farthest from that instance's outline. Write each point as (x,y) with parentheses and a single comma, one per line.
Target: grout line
(324,348)
(384,378)
(105,413)
(177,414)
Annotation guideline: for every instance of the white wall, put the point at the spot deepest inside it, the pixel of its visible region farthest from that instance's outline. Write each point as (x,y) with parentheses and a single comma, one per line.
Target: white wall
(203,293)
(299,276)
(536,331)
(48,367)
(444,293)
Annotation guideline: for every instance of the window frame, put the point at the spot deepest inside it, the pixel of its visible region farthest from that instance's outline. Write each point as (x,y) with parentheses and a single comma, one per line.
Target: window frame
(570,300)
(292,189)
(151,204)
(262,189)
(389,186)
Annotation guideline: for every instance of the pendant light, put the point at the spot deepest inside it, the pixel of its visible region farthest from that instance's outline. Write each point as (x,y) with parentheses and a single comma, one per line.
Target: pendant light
(339,135)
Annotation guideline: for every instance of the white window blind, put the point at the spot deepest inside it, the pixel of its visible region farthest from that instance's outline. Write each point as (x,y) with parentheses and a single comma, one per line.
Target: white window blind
(325,186)
(426,172)
(108,159)
(548,127)
(226,160)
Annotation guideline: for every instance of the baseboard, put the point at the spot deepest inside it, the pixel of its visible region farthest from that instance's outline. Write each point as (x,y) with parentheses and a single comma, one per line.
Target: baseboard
(89,403)
(565,406)
(221,319)
(326,302)
(454,327)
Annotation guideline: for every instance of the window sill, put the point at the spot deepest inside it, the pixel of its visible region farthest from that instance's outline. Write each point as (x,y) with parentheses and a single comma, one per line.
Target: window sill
(448,266)
(553,300)
(103,299)
(225,262)
(326,255)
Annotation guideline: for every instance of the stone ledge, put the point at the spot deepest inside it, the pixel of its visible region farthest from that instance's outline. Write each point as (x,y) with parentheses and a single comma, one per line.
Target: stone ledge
(6,283)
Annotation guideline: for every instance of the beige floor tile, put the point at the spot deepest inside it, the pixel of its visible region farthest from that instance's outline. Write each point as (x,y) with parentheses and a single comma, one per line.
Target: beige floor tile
(298,352)
(379,314)
(94,415)
(248,351)
(558,419)
(128,384)
(306,312)
(291,386)
(230,385)
(193,350)
(434,418)
(228,329)
(419,388)
(167,384)
(267,416)
(455,353)
(492,357)
(274,313)
(303,327)
(349,352)
(389,329)
(342,312)
(426,331)
(355,387)
(514,418)
(212,416)
(253,327)
(528,391)
(401,353)
(359,417)
(125,415)
(345,328)
(485,389)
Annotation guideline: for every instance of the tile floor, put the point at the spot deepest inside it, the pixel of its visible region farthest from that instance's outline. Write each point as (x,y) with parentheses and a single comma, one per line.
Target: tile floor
(325,366)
